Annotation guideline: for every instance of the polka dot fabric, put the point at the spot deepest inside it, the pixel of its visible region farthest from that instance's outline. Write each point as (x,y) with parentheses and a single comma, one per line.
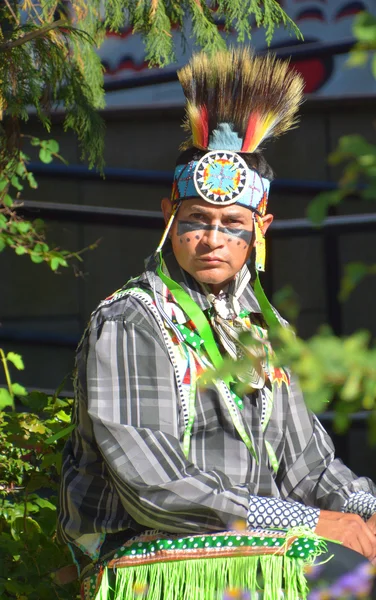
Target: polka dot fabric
(362,504)
(274,512)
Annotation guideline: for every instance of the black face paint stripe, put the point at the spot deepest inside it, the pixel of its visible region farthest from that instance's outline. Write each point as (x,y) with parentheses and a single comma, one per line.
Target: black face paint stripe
(189,226)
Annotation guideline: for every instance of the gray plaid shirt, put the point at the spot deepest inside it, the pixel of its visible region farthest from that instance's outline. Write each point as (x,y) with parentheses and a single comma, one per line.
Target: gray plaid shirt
(124,469)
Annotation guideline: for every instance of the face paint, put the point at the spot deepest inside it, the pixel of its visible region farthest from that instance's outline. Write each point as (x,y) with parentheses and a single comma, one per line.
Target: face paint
(189,226)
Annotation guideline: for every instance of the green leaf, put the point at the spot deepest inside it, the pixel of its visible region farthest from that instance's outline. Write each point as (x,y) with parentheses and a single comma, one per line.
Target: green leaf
(5,398)
(317,210)
(32,181)
(24,226)
(52,146)
(36,258)
(64,432)
(16,183)
(35,141)
(39,225)
(36,401)
(20,250)
(54,263)
(341,422)
(25,527)
(373,65)
(18,390)
(357,58)
(2,243)
(364,27)
(3,184)
(38,481)
(63,416)
(16,360)
(48,460)
(42,502)
(355,272)
(20,169)
(7,200)
(45,155)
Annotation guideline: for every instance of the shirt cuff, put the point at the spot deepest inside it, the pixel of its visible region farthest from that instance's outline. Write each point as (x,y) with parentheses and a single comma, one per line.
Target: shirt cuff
(360,503)
(268,513)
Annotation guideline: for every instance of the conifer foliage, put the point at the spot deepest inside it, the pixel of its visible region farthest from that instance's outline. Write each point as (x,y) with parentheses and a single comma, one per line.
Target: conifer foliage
(48,58)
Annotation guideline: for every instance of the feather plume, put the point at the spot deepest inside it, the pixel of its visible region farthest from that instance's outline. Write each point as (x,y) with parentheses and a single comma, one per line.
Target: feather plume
(238,98)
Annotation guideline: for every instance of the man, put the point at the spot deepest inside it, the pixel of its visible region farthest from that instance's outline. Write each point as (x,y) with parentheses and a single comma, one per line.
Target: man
(166,455)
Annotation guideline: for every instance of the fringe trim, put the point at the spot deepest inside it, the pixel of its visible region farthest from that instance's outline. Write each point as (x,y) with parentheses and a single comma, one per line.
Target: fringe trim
(208,579)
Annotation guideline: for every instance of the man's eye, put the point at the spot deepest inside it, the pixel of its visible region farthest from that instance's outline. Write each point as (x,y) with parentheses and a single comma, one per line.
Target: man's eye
(233,222)
(197,216)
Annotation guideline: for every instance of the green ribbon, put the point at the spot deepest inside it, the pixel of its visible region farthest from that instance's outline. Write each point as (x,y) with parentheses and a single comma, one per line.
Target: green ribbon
(196,315)
(265,306)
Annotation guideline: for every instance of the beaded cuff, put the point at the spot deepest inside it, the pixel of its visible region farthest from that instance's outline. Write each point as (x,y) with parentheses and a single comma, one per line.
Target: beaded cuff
(362,504)
(274,512)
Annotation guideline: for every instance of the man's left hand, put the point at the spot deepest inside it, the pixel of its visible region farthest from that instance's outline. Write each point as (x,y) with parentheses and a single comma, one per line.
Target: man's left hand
(372,524)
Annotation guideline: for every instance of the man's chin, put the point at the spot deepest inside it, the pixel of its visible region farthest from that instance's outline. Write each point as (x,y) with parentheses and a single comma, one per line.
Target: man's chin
(212,276)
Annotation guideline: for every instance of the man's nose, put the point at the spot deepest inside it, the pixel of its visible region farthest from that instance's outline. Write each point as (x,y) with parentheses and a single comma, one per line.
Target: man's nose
(213,238)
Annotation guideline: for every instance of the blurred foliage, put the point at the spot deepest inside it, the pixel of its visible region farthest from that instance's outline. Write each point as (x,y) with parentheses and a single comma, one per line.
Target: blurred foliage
(358,177)
(17,233)
(33,428)
(332,370)
(353,151)
(49,59)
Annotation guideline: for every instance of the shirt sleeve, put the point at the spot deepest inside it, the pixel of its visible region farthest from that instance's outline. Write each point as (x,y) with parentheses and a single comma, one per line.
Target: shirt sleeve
(310,473)
(132,402)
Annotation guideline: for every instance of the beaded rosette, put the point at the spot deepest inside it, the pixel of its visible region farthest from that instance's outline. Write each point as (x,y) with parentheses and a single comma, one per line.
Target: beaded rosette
(202,567)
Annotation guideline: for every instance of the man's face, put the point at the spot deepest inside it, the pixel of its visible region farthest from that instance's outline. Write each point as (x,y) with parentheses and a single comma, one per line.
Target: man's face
(212,243)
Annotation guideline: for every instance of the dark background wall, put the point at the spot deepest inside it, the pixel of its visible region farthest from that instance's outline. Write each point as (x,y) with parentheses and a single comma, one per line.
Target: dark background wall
(43,314)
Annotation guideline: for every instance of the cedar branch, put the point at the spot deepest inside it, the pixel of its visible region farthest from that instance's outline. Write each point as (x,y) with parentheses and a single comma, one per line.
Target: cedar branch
(12,11)
(32,35)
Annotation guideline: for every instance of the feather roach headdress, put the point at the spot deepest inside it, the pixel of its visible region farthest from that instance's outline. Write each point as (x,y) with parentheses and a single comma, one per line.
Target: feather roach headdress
(235,102)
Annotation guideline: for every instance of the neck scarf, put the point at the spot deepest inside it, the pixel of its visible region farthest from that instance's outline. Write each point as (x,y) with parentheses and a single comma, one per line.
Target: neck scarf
(231,323)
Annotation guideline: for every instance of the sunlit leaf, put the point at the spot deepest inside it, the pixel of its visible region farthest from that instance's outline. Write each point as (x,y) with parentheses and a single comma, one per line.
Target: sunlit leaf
(18,390)
(5,398)
(354,273)
(63,416)
(7,200)
(16,360)
(36,258)
(364,27)
(357,58)
(60,434)
(52,146)
(45,155)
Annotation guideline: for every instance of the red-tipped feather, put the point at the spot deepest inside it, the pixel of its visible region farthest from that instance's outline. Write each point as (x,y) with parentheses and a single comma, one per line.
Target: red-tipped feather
(253,123)
(200,126)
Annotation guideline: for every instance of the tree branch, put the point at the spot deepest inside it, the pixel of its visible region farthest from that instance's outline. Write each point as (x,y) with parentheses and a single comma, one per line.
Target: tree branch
(12,11)
(32,35)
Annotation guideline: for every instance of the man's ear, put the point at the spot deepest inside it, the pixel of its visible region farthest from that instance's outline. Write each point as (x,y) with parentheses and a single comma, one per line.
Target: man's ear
(166,207)
(267,220)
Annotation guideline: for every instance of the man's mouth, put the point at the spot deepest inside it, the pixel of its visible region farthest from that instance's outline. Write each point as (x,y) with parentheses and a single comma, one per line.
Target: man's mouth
(211,259)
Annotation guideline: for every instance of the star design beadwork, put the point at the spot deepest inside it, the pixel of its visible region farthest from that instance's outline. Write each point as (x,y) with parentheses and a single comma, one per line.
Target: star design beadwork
(221,177)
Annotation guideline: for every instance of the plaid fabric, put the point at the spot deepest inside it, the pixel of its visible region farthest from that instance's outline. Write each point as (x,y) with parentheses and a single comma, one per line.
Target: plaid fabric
(123,467)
